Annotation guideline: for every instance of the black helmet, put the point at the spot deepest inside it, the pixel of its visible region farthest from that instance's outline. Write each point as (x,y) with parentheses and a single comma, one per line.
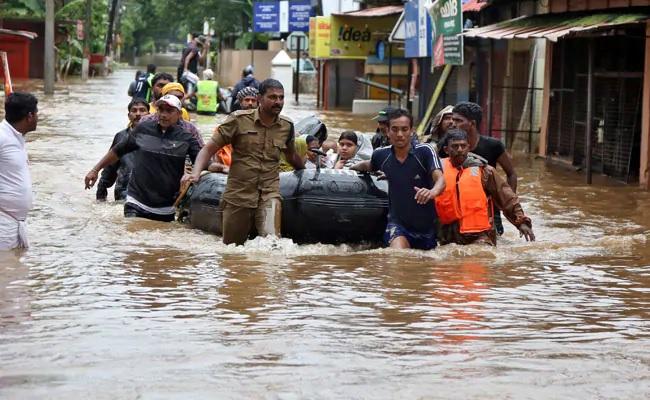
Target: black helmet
(313,126)
(248,70)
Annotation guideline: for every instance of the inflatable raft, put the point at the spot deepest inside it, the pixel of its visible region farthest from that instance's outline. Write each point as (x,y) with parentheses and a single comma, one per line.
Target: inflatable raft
(326,205)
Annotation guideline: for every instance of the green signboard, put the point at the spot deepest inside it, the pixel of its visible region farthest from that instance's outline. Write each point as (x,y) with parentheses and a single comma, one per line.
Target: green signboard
(447,18)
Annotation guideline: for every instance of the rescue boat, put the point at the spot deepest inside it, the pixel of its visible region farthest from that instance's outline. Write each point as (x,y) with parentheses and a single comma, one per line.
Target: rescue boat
(318,205)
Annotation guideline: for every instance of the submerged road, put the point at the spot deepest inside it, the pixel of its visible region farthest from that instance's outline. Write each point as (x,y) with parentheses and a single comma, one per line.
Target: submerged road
(106,308)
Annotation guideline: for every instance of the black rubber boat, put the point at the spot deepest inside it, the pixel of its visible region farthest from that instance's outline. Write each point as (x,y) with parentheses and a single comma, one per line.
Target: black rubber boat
(326,205)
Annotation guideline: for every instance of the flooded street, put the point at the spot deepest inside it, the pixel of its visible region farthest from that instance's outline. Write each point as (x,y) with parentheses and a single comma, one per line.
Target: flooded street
(107,308)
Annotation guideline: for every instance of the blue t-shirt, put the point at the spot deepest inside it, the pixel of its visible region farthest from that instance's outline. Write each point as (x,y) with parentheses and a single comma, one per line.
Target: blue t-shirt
(402,178)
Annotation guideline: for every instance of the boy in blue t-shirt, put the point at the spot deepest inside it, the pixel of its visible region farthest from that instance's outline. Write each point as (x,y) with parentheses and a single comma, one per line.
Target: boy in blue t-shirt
(414,175)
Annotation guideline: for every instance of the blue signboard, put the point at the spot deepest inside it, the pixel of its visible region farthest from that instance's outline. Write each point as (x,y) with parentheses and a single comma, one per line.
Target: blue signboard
(281,16)
(266,16)
(299,13)
(417,27)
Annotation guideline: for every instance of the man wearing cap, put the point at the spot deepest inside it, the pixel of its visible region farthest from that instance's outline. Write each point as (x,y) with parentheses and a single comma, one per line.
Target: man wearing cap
(381,133)
(175,89)
(160,150)
(381,136)
(258,137)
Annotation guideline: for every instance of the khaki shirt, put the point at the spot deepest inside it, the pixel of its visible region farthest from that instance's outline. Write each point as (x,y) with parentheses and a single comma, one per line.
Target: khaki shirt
(254,172)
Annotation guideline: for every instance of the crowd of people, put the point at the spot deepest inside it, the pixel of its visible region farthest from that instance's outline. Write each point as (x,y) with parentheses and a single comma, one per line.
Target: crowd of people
(443,186)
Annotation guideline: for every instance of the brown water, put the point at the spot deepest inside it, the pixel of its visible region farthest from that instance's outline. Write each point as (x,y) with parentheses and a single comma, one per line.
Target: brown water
(106,308)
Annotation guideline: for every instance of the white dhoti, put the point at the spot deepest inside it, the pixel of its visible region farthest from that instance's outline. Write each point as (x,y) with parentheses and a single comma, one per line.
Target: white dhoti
(13,233)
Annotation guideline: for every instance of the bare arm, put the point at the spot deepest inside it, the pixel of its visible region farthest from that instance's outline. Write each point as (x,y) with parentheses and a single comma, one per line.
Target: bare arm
(188,58)
(423,195)
(204,53)
(363,166)
(293,158)
(202,161)
(507,201)
(107,160)
(505,161)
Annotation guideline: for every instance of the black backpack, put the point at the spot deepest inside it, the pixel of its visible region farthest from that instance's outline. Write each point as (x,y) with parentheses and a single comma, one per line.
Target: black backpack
(141,87)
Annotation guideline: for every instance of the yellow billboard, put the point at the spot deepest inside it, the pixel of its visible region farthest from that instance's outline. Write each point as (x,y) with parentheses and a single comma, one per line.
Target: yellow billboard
(357,38)
(319,37)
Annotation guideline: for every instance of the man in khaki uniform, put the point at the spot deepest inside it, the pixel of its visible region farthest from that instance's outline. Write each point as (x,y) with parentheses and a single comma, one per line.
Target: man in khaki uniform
(258,137)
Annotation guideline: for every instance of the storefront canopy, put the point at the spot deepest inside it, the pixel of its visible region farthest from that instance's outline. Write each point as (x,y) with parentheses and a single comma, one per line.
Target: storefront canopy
(373,12)
(555,26)
(25,34)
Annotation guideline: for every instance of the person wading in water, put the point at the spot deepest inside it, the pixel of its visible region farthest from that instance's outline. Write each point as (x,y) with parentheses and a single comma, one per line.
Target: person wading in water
(465,207)
(258,137)
(160,147)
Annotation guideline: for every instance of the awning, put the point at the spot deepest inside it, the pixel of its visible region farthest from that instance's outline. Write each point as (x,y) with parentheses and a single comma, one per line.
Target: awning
(474,5)
(25,34)
(554,26)
(383,11)
(398,35)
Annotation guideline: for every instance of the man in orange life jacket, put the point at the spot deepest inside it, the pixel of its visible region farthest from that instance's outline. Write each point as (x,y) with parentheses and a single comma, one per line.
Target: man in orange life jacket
(465,208)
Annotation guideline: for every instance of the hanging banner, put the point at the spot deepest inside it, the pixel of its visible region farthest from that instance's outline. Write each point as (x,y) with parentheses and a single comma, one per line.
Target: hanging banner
(448,51)
(447,18)
(417,26)
(319,37)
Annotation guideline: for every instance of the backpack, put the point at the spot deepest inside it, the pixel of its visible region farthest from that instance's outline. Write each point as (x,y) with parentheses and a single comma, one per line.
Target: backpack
(141,87)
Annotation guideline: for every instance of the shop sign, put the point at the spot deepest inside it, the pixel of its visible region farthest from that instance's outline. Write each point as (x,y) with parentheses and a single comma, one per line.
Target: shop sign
(319,37)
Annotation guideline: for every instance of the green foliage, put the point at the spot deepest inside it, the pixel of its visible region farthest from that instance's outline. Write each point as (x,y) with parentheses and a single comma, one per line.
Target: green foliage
(22,8)
(168,21)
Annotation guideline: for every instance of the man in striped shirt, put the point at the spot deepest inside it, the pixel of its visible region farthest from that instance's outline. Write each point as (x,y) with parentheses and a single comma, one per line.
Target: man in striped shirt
(414,175)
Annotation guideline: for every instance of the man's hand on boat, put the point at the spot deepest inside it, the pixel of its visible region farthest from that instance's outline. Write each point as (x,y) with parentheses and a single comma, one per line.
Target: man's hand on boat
(190,178)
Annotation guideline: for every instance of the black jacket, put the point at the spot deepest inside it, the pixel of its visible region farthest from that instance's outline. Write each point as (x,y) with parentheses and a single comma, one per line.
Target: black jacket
(159,161)
(244,82)
(117,173)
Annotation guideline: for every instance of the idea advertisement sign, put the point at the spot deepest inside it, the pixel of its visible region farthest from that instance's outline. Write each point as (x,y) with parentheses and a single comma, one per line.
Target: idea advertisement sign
(352,38)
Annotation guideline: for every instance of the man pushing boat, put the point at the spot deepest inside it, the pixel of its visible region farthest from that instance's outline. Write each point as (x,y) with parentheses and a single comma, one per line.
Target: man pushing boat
(258,137)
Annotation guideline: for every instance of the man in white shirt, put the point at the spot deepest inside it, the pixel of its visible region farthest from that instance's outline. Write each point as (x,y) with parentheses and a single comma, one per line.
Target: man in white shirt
(21,116)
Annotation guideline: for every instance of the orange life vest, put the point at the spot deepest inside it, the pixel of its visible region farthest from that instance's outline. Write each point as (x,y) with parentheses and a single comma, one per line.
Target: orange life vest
(464,199)
(225,155)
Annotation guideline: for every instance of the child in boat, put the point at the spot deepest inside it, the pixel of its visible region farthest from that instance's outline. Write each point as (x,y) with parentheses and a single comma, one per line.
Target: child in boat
(348,149)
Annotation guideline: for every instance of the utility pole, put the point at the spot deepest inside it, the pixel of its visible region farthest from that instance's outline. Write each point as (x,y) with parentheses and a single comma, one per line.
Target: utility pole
(111,24)
(85,62)
(49,47)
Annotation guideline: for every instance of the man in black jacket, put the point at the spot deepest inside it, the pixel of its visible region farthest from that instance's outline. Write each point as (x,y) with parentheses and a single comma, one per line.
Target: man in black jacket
(247,80)
(160,148)
(119,172)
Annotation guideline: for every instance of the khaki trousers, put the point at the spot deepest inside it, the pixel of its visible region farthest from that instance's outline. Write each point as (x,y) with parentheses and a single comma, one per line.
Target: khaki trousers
(239,221)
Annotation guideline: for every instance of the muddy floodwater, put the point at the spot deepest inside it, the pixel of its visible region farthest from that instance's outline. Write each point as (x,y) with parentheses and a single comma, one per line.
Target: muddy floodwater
(107,308)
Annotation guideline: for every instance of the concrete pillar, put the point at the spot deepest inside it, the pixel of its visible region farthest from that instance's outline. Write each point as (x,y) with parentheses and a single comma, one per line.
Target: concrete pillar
(644,171)
(546,99)
(49,48)
(282,70)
